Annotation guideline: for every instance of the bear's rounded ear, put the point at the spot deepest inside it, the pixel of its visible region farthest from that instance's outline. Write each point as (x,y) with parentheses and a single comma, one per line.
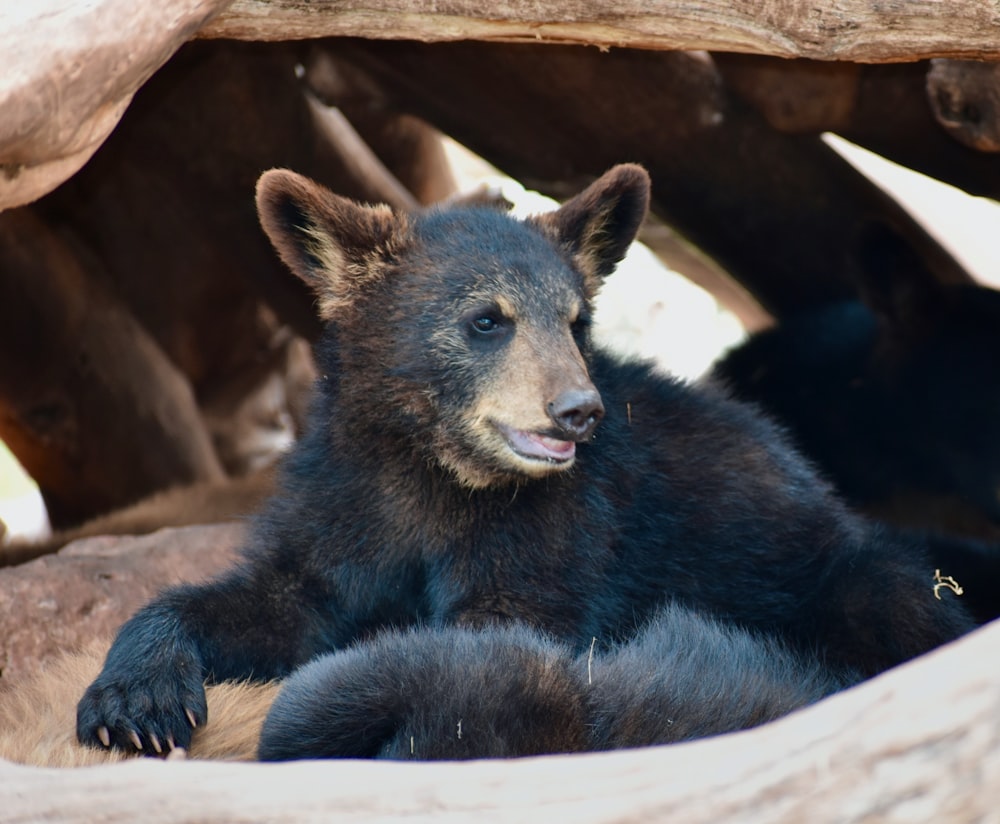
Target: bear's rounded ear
(894,281)
(333,244)
(599,224)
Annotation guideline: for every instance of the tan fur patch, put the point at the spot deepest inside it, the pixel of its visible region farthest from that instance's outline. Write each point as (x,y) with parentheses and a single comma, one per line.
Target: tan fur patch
(595,237)
(321,246)
(346,271)
(38,716)
(536,369)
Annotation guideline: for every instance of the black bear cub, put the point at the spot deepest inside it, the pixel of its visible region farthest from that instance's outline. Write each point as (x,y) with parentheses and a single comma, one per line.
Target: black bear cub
(482,485)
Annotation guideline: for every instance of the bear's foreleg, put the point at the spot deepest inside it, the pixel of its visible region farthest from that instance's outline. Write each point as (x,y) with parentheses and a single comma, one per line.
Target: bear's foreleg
(150,694)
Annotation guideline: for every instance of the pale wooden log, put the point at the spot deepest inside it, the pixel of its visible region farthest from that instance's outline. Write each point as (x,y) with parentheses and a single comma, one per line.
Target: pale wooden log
(859,30)
(70,69)
(920,743)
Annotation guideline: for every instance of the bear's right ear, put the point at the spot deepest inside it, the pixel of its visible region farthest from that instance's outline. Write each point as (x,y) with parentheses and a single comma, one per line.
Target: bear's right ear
(333,244)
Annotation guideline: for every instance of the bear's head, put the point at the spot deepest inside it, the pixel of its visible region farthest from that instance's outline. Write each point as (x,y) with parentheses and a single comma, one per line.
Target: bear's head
(459,331)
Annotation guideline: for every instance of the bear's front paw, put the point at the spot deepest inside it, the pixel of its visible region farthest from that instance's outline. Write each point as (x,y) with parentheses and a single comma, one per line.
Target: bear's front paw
(147,715)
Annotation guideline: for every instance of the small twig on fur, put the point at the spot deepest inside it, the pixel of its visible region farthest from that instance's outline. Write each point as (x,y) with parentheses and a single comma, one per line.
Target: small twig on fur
(590,661)
(945,581)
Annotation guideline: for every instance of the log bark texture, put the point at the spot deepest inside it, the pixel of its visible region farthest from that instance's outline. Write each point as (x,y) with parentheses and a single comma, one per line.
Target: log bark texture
(920,743)
(59,109)
(858,30)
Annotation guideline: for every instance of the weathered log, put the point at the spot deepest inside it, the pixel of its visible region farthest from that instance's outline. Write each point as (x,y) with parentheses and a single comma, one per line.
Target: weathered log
(919,743)
(848,30)
(70,70)
(916,114)
(161,224)
(411,150)
(171,194)
(794,96)
(209,502)
(81,381)
(46,137)
(347,143)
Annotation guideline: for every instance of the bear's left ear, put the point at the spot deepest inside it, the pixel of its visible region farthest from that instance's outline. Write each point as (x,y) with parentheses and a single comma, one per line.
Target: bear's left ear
(599,224)
(895,281)
(333,244)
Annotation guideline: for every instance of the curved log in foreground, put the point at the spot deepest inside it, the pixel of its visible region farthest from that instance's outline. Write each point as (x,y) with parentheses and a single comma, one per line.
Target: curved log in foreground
(920,743)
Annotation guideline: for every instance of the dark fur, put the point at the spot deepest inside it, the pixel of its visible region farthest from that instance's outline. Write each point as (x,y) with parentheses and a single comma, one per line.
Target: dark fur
(433,693)
(896,399)
(402,505)
(687,676)
(454,692)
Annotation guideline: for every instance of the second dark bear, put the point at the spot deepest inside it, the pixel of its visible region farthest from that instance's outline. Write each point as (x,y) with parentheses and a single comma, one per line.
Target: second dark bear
(457,692)
(471,460)
(894,397)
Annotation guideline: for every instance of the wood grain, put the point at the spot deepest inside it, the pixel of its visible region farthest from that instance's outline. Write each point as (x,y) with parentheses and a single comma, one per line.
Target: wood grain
(59,109)
(859,30)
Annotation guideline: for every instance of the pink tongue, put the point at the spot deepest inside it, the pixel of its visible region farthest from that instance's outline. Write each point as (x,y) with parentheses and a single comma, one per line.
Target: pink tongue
(541,446)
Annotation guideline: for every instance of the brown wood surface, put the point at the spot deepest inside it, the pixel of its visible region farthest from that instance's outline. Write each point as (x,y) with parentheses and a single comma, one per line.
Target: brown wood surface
(860,30)
(920,743)
(59,109)
(64,415)
(781,213)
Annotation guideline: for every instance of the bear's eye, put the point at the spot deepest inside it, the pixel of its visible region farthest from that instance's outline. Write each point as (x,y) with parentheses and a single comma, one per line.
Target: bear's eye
(486,324)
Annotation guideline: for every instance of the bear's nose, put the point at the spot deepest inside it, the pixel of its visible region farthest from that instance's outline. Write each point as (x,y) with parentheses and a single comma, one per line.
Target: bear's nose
(576,412)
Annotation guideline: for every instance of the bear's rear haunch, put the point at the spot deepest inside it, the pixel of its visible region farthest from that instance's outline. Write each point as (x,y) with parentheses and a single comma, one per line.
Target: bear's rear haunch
(472,462)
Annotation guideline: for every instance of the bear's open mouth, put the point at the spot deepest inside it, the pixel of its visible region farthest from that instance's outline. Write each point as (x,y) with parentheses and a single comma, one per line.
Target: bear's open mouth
(536,446)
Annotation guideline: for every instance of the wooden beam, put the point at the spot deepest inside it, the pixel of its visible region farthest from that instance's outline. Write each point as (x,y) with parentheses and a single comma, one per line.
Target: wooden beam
(95,54)
(920,743)
(859,30)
